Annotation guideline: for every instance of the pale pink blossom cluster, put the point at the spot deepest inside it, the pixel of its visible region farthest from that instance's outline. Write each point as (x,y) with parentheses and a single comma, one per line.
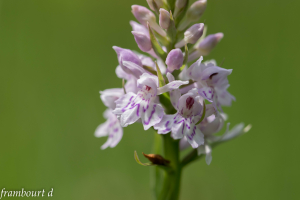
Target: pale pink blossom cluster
(170,88)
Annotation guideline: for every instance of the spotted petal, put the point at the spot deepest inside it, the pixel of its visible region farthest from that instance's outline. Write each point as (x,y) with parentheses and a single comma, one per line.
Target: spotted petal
(151,114)
(165,125)
(124,103)
(194,135)
(109,96)
(206,92)
(110,128)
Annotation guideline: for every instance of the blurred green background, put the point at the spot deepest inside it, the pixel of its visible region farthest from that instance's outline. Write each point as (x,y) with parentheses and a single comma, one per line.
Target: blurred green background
(55,56)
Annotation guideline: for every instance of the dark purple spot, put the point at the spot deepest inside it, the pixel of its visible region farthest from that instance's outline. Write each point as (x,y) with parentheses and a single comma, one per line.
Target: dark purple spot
(148,88)
(212,75)
(190,102)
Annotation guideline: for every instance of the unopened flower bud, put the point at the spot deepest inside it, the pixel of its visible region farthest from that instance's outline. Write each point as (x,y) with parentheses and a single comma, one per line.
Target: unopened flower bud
(196,10)
(209,43)
(142,40)
(155,4)
(151,4)
(193,34)
(164,18)
(139,28)
(179,4)
(174,60)
(127,55)
(144,16)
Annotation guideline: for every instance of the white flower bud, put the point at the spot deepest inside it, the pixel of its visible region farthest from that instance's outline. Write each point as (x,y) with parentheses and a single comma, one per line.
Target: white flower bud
(151,4)
(142,40)
(174,60)
(193,34)
(196,10)
(164,18)
(144,15)
(207,45)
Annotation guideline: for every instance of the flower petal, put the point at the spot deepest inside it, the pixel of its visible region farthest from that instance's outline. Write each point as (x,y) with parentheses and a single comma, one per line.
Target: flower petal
(175,94)
(195,70)
(206,92)
(149,80)
(179,127)
(218,73)
(224,97)
(194,136)
(122,74)
(237,130)
(131,85)
(109,96)
(123,103)
(131,115)
(115,135)
(171,86)
(208,157)
(135,69)
(165,125)
(101,130)
(201,150)
(110,128)
(151,114)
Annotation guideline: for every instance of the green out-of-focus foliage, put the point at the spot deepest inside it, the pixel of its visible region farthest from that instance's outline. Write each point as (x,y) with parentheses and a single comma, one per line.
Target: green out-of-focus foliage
(55,56)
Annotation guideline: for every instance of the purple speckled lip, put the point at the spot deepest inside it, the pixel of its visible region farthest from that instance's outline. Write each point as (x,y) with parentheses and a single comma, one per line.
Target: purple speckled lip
(152,112)
(166,130)
(193,134)
(123,109)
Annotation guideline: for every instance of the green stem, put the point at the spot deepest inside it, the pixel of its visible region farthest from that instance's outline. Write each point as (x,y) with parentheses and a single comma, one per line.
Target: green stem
(171,182)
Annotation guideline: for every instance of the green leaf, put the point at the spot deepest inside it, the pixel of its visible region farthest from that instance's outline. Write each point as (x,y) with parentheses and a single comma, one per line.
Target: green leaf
(172,29)
(203,113)
(186,55)
(150,69)
(165,41)
(171,4)
(161,79)
(123,85)
(156,46)
(138,160)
